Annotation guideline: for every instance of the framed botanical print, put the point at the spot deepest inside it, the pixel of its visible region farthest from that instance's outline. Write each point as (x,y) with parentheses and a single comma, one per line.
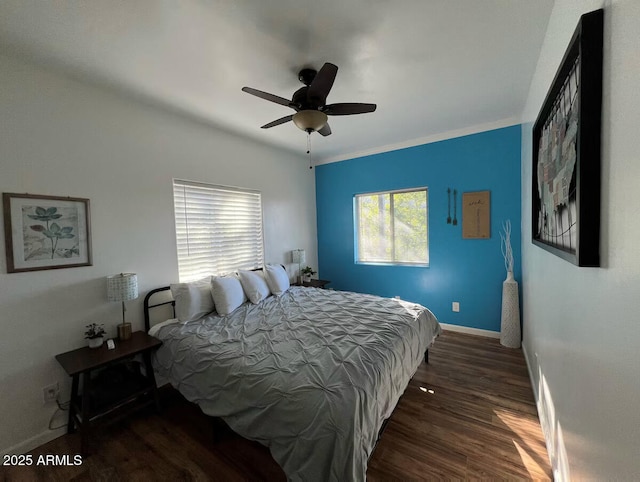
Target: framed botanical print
(46,232)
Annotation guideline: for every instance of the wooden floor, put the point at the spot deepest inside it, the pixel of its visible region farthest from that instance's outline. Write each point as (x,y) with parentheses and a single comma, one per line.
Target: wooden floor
(468,414)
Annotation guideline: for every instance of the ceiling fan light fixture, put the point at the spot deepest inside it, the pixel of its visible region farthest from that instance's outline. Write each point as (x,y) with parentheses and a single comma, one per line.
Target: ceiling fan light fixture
(309,102)
(310,120)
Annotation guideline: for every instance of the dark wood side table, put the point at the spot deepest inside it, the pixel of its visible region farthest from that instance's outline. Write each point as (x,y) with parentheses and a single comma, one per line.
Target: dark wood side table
(89,408)
(315,283)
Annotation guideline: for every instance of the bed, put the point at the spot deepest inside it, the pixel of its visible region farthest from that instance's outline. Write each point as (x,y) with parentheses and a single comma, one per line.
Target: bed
(312,374)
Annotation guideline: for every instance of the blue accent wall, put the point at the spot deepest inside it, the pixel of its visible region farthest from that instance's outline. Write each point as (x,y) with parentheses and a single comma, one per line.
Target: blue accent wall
(469,271)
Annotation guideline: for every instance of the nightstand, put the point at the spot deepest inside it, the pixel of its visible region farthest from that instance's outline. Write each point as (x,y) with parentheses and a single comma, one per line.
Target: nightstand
(117,390)
(316,283)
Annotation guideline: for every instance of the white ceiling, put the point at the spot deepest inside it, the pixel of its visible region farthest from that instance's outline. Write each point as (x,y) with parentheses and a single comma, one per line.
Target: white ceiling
(432,66)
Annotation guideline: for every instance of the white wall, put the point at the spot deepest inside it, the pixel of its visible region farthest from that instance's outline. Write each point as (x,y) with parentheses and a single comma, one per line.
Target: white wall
(581,325)
(64,137)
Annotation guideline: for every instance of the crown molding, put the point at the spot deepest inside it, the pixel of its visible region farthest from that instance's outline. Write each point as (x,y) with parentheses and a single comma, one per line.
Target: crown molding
(488,126)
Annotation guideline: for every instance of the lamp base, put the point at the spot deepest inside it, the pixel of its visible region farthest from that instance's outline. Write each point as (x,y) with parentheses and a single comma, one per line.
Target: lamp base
(124,331)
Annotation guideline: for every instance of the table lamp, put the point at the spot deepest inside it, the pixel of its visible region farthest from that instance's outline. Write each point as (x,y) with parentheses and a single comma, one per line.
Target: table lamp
(299,256)
(122,287)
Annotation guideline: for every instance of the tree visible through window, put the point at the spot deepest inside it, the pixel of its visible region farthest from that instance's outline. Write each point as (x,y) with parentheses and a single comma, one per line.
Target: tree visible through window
(391,227)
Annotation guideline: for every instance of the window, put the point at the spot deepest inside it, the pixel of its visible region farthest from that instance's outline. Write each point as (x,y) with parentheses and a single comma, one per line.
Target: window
(391,227)
(218,229)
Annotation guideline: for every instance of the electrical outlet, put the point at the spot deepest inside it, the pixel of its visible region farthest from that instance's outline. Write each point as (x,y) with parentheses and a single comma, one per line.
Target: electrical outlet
(455,306)
(50,393)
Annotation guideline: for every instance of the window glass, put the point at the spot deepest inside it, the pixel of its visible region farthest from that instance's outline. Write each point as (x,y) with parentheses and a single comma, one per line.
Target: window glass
(391,227)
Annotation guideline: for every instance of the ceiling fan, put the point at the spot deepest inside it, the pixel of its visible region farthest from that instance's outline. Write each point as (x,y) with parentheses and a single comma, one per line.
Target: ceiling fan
(309,101)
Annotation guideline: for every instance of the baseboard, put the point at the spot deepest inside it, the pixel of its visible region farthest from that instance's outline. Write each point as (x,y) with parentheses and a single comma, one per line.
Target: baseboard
(34,442)
(470,331)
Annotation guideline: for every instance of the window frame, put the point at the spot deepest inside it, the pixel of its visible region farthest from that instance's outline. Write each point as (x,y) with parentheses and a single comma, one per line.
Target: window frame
(185,276)
(356,226)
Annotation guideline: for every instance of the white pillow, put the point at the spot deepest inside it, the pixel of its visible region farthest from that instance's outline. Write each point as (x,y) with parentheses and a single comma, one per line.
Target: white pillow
(254,285)
(227,294)
(193,300)
(277,279)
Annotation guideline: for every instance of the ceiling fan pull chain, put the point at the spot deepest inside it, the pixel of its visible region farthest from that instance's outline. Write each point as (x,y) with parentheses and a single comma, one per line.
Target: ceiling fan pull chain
(309,148)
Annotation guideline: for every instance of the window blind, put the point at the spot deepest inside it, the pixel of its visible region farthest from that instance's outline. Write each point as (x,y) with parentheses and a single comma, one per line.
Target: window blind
(218,229)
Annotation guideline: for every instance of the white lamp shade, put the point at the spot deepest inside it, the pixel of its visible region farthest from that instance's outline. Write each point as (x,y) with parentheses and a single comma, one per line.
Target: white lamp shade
(298,256)
(122,287)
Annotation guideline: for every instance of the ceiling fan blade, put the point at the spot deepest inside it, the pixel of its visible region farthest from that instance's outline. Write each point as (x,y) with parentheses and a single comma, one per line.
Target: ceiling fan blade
(267,96)
(277,122)
(325,131)
(322,83)
(348,108)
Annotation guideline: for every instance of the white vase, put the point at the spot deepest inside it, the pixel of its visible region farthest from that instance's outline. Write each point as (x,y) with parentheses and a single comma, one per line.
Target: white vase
(510,321)
(96,342)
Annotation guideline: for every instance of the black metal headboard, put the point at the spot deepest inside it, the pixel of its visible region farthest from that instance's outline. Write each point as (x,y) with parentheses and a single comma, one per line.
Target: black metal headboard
(147,306)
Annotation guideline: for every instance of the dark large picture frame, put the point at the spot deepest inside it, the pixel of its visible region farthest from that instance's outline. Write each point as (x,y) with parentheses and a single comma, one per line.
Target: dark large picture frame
(566,152)
(46,232)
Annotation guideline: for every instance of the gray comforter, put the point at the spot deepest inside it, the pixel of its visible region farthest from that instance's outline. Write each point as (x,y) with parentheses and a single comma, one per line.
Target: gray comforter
(311,374)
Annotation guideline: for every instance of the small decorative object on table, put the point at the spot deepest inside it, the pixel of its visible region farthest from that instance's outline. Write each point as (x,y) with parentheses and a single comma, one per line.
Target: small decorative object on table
(95,335)
(307,272)
(510,319)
